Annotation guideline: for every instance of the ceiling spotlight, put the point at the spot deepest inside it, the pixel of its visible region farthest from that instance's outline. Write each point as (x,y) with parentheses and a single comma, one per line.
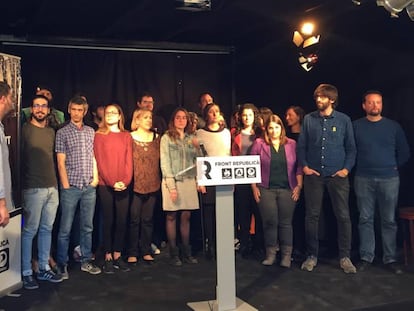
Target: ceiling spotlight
(304,37)
(307,61)
(394,6)
(193,5)
(356,2)
(410,11)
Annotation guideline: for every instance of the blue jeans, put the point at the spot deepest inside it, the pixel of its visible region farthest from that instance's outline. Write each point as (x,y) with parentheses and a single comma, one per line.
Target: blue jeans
(69,199)
(40,206)
(277,208)
(381,192)
(338,189)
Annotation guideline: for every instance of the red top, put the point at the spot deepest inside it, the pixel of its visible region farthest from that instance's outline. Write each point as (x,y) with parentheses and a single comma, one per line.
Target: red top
(113,153)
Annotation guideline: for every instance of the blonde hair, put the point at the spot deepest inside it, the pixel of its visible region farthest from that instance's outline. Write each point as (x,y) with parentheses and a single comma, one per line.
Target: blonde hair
(138,113)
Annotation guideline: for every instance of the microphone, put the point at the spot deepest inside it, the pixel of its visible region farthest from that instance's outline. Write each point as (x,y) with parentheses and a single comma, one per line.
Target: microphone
(203,150)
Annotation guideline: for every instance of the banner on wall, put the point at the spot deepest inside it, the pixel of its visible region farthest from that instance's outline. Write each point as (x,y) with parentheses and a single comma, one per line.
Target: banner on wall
(10,71)
(10,236)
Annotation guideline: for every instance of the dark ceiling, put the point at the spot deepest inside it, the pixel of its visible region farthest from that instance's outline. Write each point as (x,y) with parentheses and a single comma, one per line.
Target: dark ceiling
(237,23)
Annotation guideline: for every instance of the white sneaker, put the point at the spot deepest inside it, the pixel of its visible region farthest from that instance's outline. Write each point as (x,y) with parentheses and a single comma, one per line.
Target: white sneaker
(346,265)
(155,249)
(309,263)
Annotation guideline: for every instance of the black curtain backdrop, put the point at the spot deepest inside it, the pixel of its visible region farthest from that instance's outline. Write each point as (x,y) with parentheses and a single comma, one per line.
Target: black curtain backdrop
(174,78)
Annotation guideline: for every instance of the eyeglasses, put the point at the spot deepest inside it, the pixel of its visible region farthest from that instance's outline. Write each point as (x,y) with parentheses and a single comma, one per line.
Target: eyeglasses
(112,112)
(38,106)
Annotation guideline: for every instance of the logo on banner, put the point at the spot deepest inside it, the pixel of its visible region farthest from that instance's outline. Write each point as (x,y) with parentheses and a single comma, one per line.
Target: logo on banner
(4,256)
(239,172)
(251,172)
(207,169)
(226,173)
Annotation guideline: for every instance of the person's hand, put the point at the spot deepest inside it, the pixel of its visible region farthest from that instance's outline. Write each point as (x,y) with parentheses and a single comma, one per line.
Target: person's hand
(341,173)
(4,216)
(173,195)
(202,189)
(119,186)
(308,171)
(256,193)
(296,193)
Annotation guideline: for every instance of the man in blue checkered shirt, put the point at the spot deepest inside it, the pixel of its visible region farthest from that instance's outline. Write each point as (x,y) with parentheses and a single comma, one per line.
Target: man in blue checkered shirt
(78,177)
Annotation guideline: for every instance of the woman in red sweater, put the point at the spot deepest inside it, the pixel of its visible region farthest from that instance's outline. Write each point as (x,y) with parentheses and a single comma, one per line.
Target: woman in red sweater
(113,153)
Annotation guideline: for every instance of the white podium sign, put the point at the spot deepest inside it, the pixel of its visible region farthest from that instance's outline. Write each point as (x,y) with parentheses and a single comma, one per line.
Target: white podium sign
(10,254)
(213,171)
(224,172)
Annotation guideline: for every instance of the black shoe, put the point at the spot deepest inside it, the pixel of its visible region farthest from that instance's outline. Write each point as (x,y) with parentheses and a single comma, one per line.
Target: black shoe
(394,268)
(29,282)
(121,265)
(108,267)
(363,266)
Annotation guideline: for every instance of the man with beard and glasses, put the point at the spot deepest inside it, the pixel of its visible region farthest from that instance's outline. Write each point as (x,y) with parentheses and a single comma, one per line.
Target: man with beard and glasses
(40,193)
(381,149)
(326,149)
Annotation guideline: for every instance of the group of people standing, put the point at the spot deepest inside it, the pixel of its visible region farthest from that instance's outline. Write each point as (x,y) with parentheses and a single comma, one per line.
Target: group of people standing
(322,149)
(127,170)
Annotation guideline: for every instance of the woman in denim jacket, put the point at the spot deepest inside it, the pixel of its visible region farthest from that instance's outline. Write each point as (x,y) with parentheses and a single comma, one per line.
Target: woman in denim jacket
(179,190)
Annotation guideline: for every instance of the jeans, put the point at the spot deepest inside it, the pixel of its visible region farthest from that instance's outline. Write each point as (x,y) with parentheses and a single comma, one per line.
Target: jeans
(384,193)
(338,189)
(277,208)
(69,199)
(40,206)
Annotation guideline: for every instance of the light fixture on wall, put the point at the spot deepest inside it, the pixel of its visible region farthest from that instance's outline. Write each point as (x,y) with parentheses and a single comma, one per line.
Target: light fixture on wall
(306,41)
(396,6)
(193,5)
(307,61)
(410,11)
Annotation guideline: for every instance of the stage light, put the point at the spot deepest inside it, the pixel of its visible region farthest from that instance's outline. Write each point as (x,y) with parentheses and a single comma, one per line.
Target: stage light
(306,42)
(356,2)
(410,11)
(308,61)
(304,37)
(395,6)
(193,5)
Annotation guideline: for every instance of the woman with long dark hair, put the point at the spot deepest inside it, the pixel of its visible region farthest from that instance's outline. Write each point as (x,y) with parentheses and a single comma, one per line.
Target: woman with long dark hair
(178,187)
(216,139)
(243,135)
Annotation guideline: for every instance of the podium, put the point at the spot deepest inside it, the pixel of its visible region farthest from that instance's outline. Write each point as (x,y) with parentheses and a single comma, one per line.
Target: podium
(10,254)
(224,172)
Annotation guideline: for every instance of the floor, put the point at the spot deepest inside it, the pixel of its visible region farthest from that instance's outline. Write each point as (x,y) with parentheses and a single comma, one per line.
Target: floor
(163,287)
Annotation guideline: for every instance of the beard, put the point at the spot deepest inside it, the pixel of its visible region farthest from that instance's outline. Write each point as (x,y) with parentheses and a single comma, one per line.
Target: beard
(374,113)
(39,117)
(322,106)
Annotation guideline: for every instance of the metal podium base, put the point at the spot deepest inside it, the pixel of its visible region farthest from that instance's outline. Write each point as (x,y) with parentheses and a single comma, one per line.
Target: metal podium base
(211,305)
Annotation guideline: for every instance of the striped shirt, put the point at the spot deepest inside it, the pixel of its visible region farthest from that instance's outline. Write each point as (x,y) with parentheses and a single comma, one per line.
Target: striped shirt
(77,144)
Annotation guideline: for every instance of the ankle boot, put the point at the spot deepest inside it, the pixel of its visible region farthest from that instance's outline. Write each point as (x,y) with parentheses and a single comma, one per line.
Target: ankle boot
(186,254)
(270,256)
(174,258)
(286,259)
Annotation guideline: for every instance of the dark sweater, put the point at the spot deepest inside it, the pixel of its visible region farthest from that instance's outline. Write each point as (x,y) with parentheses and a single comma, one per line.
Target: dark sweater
(381,148)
